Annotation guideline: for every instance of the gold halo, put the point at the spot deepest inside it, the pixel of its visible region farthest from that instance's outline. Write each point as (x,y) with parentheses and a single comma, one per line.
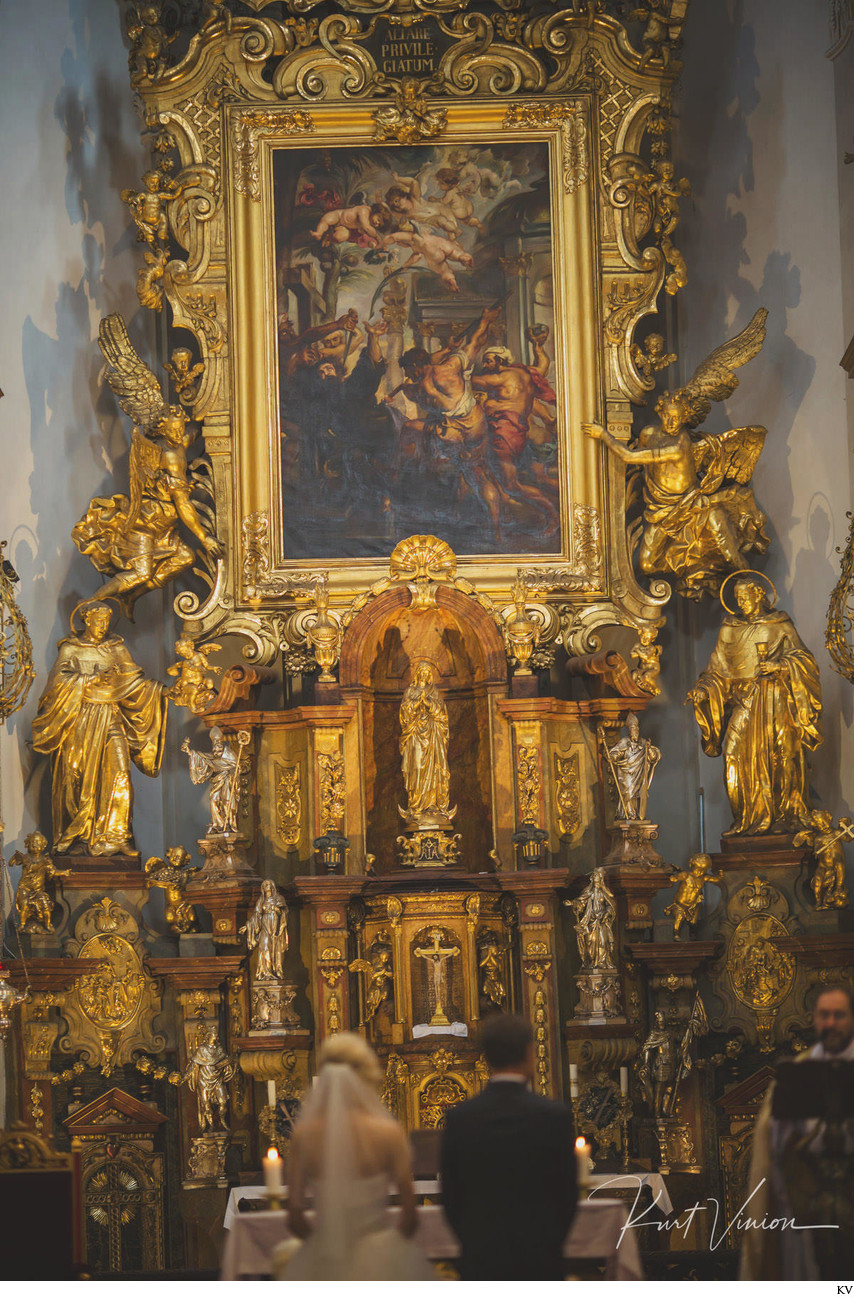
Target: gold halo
(101,599)
(739,572)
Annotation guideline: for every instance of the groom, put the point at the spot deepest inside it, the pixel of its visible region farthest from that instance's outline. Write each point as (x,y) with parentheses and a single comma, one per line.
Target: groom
(508,1167)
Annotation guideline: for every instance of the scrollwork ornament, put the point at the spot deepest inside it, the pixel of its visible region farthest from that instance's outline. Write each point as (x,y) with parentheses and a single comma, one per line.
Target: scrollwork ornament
(248,127)
(569,117)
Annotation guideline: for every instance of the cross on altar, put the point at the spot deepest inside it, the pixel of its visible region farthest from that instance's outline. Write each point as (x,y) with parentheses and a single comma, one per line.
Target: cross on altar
(437,956)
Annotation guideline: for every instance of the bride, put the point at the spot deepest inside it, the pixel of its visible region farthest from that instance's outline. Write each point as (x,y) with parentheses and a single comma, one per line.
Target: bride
(349,1150)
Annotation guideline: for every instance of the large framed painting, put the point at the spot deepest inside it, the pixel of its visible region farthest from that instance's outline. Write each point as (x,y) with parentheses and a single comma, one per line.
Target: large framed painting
(415,338)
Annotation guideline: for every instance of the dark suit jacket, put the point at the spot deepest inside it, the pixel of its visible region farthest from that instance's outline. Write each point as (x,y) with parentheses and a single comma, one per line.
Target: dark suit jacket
(509,1184)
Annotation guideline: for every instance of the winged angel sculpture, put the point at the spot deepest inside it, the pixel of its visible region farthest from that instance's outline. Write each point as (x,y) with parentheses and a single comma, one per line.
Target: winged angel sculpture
(135,540)
(700,517)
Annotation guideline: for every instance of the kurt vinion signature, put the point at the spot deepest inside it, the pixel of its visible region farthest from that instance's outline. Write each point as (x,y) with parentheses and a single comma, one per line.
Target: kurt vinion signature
(683,1221)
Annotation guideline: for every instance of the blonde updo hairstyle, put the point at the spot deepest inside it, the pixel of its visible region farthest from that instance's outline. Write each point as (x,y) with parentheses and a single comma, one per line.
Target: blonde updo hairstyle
(350,1049)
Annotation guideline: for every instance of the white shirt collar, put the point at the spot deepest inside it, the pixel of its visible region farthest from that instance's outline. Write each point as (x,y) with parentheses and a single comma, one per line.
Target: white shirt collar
(507,1075)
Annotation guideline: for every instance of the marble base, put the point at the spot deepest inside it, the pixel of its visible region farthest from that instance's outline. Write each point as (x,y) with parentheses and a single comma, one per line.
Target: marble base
(598,996)
(206,1165)
(631,847)
(271,1008)
(226,864)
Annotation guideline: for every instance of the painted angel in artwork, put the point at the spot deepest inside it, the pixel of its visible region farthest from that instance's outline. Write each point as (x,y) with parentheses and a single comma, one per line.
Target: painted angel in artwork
(700,518)
(135,540)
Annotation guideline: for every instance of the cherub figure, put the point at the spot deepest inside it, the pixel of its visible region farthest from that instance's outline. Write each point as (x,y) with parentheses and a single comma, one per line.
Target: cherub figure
(135,540)
(700,515)
(147,60)
(455,196)
(186,377)
(194,688)
(406,201)
(215,11)
(661,32)
(32,900)
(361,224)
(651,357)
(435,252)
(173,875)
(685,907)
(148,207)
(828,847)
(665,192)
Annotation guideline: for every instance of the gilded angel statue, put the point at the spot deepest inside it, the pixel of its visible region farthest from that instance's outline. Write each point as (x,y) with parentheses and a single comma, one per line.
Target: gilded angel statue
(135,540)
(700,516)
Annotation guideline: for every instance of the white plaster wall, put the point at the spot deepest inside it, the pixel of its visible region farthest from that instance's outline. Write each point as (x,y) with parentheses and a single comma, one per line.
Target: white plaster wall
(71,142)
(757,137)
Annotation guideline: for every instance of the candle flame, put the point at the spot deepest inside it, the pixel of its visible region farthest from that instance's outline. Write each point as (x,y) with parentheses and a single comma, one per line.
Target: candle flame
(580,1143)
(272,1153)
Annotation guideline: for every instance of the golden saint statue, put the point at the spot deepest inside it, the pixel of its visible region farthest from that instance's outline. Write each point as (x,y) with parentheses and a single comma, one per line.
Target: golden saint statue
(32,900)
(424,748)
(759,701)
(135,540)
(98,714)
(700,516)
(685,907)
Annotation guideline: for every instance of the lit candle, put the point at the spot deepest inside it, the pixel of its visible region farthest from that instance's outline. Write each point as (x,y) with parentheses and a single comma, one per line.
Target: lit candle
(582,1158)
(573,1081)
(273,1171)
(624,1080)
(271,1093)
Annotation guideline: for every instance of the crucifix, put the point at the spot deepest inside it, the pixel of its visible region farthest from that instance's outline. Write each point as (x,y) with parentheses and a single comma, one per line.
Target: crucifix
(437,956)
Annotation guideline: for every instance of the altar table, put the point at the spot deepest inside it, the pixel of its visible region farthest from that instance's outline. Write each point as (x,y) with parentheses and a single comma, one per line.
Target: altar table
(595,1233)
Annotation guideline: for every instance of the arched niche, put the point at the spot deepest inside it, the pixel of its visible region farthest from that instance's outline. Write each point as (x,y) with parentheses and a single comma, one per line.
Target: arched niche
(463,643)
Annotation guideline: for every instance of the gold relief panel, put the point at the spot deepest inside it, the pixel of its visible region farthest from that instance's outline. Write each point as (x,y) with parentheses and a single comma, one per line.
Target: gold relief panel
(330,791)
(110,1012)
(288,782)
(567,795)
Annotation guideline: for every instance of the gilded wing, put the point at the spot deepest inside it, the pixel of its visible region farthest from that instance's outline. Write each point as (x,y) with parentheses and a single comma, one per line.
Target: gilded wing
(728,455)
(136,387)
(143,466)
(715,379)
(363,967)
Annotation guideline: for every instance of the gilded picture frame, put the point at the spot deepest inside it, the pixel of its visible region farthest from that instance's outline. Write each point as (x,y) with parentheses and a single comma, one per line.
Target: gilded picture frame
(258,141)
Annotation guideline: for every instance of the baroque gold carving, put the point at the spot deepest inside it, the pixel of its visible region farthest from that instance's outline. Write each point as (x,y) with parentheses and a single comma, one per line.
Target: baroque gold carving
(110,1012)
(248,127)
(332,793)
(575,166)
(528,784)
(410,119)
(567,795)
(587,553)
(288,803)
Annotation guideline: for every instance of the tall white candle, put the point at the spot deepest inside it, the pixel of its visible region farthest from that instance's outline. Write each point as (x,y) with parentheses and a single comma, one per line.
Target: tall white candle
(273,1171)
(271,1093)
(573,1081)
(624,1080)
(582,1157)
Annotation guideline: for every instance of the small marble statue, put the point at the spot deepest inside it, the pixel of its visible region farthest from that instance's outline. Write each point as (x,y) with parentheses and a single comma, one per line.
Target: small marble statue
(208,1071)
(221,768)
(633,762)
(656,1066)
(597,912)
(266,932)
